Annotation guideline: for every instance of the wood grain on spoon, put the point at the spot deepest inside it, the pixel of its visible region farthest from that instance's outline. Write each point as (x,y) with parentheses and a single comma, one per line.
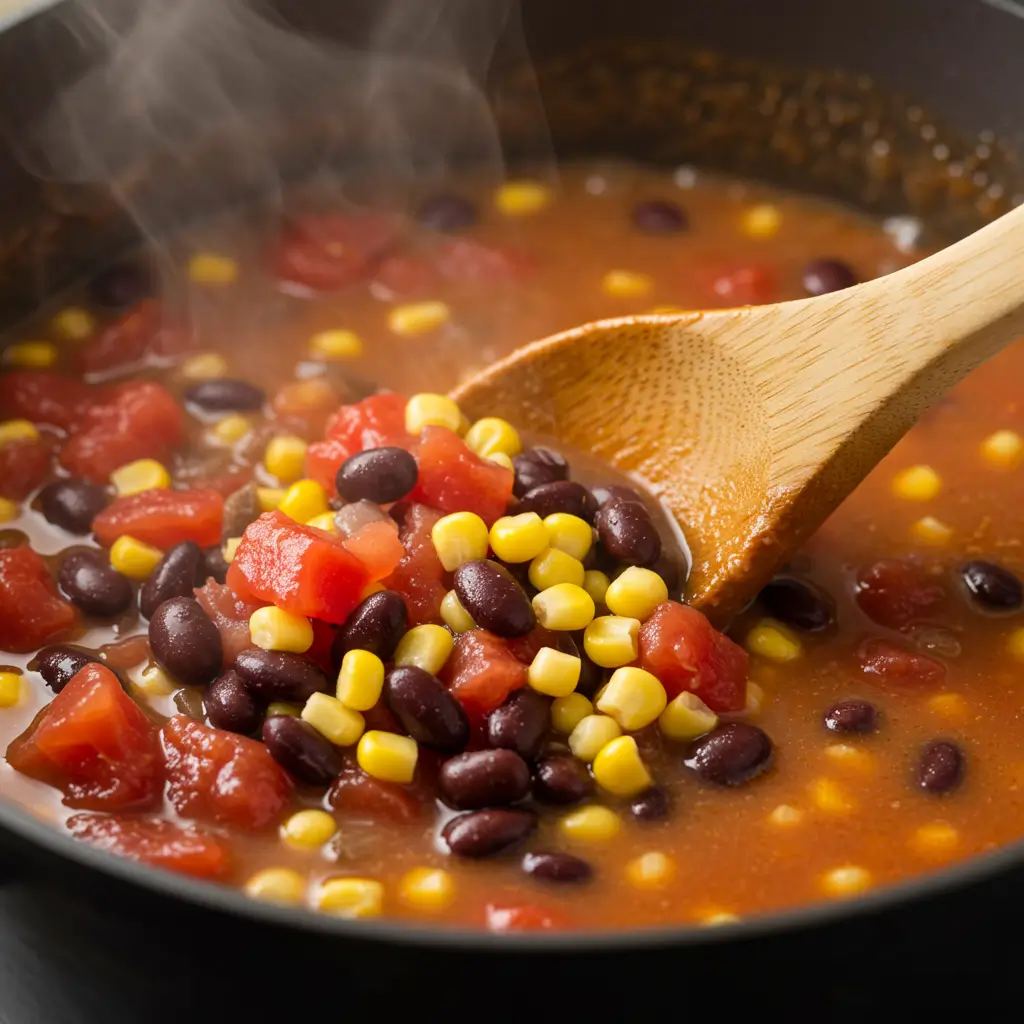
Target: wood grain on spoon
(753,424)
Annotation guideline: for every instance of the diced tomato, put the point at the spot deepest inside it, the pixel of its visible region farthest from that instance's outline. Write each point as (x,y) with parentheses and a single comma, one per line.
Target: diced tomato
(42,396)
(163,518)
(525,648)
(141,332)
(454,479)
(749,285)
(419,576)
(896,593)
(299,568)
(230,613)
(521,917)
(320,651)
(377,546)
(481,671)
(220,776)
(153,841)
(891,663)
(363,796)
(683,649)
(305,405)
(404,277)
(24,465)
(463,260)
(94,743)
(32,612)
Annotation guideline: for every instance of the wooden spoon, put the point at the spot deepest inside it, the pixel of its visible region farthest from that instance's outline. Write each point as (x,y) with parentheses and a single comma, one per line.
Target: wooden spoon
(753,424)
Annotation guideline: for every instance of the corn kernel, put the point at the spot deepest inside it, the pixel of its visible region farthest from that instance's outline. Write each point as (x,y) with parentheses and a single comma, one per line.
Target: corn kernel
(773,641)
(212,268)
(828,797)
(336,346)
(521,198)
(274,629)
(31,355)
(591,824)
(229,430)
(459,537)
(1015,643)
(650,870)
(850,756)
(591,734)
(949,705)
(937,839)
(269,498)
(785,816)
(324,521)
(304,500)
(491,436)
(10,689)
(9,510)
(387,756)
(133,559)
(633,697)
(931,531)
(754,700)
(427,647)
(281,707)
(307,830)
(553,567)
(285,457)
(619,769)
(154,682)
(553,673)
(636,592)
(567,712)
(761,221)
(917,483)
(845,881)
(360,680)
(686,717)
(715,919)
(596,584)
(138,476)
(1004,449)
(626,284)
(520,538)
(204,366)
(278,885)
(427,889)
(501,459)
(74,324)
(341,725)
(351,897)
(564,606)
(455,616)
(229,547)
(418,318)
(569,533)
(430,410)
(24,430)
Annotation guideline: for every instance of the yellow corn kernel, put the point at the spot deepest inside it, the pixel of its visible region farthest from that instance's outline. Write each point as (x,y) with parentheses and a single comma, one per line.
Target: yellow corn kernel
(1004,449)
(274,629)
(10,689)
(455,616)
(785,816)
(650,870)
(519,538)
(360,680)
(387,756)
(773,641)
(427,647)
(761,221)
(336,346)
(716,918)
(846,881)
(9,510)
(754,700)
(596,584)
(133,559)
(459,537)
(278,885)
(591,824)
(324,521)
(619,769)
(269,498)
(1015,643)
(138,476)
(633,697)
(307,830)
(502,460)
(552,567)
(285,457)
(204,366)
(635,593)
(686,717)
(212,268)
(564,606)
(626,284)
(521,198)
(591,734)
(430,410)
(31,355)
(567,712)
(931,531)
(427,889)
(938,840)
(281,707)
(229,430)
(569,533)
(418,318)
(74,324)
(553,673)
(351,897)
(491,436)
(949,705)
(229,547)
(17,430)
(304,500)
(828,797)
(917,483)
(850,756)
(341,725)
(153,681)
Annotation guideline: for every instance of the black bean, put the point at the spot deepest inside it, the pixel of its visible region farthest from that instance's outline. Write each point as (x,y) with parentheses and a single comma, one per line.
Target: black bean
(668,569)
(376,624)
(241,508)
(628,533)
(483,778)
(57,664)
(177,574)
(821,276)
(381,475)
(122,286)
(280,675)
(216,566)
(536,467)
(482,833)
(521,723)
(447,213)
(592,676)
(992,586)
(72,504)
(301,751)
(494,598)
(185,643)
(557,867)
(560,496)
(94,586)
(222,394)
(799,603)
(940,768)
(732,754)
(851,715)
(189,701)
(659,217)
(231,705)
(562,779)
(606,493)
(425,709)
(651,805)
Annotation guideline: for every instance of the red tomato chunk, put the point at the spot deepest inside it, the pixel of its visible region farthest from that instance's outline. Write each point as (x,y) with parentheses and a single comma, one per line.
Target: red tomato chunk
(470,262)
(890,663)
(42,396)
(522,917)
(32,612)
(230,614)
(377,546)
(163,518)
(419,576)
(24,465)
(896,593)
(141,332)
(362,796)
(481,671)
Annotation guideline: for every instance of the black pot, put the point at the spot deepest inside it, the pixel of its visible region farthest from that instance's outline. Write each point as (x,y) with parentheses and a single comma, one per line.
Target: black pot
(90,937)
